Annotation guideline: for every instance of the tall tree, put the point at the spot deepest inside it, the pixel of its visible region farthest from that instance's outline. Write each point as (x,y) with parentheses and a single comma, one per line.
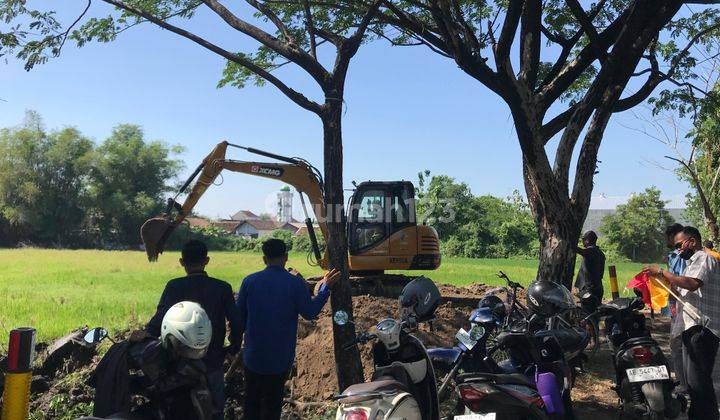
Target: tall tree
(42,182)
(637,229)
(573,63)
(127,181)
(701,168)
(298,30)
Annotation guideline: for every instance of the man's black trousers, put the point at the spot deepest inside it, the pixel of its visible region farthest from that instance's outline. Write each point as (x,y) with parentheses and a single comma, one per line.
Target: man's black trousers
(263,395)
(700,347)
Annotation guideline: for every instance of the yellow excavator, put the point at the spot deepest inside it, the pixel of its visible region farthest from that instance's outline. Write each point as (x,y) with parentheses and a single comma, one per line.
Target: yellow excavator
(382,230)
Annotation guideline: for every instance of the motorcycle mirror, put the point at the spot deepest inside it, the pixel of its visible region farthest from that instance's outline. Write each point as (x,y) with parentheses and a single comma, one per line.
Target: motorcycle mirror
(95,335)
(341,318)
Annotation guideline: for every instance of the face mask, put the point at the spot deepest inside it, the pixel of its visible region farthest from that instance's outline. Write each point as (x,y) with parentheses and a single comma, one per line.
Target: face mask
(685,254)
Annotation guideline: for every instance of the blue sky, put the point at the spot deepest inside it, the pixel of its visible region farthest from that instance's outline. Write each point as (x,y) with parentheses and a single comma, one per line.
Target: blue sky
(407,110)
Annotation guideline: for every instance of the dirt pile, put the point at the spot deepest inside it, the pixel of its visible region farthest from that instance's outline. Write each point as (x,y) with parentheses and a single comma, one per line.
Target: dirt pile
(315,363)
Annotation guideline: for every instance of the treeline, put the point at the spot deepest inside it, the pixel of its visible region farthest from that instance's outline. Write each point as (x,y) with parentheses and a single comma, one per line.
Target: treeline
(475,226)
(60,189)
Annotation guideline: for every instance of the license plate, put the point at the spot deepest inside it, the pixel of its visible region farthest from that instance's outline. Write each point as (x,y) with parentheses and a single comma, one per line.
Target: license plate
(647,373)
(464,337)
(488,416)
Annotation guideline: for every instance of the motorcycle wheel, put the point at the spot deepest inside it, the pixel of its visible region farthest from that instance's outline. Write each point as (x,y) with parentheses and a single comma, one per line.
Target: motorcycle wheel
(567,404)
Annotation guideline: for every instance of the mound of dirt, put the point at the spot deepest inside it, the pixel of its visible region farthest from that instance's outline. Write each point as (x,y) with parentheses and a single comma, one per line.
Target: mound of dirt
(315,363)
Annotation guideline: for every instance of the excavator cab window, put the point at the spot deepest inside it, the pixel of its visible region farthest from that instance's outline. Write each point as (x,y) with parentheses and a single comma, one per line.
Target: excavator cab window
(402,213)
(377,211)
(369,222)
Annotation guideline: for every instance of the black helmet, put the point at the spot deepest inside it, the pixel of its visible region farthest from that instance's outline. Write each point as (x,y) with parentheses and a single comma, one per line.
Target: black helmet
(547,298)
(495,304)
(422,297)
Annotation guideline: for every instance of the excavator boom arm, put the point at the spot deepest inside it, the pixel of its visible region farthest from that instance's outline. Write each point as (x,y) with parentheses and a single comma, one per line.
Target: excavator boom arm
(295,172)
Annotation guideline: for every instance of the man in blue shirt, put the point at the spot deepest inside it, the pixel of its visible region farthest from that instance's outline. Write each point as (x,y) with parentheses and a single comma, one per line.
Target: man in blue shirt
(269,303)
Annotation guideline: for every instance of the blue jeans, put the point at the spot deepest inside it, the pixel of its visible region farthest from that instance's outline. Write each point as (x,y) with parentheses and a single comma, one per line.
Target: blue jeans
(216,386)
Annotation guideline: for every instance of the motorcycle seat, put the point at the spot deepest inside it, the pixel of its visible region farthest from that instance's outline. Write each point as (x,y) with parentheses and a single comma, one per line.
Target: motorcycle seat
(369,390)
(569,340)
(636,341)
(618,304)
(500,379)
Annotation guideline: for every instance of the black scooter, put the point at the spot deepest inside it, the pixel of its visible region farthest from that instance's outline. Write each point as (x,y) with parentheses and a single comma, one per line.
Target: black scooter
(642,373)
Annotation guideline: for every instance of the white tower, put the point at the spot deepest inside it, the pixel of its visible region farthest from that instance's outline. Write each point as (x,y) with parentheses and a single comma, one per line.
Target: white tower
(284,205)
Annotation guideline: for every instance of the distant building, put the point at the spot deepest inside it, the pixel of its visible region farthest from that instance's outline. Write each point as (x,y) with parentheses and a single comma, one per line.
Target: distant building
(198,222)
(595,217)
(245,215)
(284,204)
(260,228)
(252,228)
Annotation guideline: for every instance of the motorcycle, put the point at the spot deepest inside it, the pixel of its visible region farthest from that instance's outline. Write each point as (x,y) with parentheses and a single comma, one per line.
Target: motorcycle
(534,380)
(182,393)
(642,373)
(403,384)
(483,387)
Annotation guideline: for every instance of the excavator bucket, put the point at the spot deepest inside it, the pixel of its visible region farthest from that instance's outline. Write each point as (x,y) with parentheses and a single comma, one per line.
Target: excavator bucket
(153,233)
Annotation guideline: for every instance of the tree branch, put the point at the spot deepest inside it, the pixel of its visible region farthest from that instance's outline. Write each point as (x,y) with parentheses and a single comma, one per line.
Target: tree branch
(310,28)
(567,47)
(274,19)
(294,95)
(530,30)
(568,73)
(289,51)
(507,35)
(707,208)
(587,26)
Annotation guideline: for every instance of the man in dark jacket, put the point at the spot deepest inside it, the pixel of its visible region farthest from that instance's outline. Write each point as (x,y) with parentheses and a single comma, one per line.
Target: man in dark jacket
(589,278)
(216,297)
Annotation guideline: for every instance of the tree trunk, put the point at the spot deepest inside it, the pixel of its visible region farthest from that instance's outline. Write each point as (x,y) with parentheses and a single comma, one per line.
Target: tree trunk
(551,207)
(558,233)
(347,362)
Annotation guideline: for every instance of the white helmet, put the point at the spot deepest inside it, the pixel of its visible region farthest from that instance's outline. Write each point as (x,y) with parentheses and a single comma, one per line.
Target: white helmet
(186,328)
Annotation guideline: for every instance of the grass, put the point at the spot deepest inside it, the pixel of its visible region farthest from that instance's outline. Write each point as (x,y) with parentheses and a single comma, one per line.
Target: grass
(55,291)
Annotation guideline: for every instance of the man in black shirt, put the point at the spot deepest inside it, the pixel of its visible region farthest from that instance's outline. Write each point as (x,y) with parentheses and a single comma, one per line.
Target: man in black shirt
(589,278)
(216,298)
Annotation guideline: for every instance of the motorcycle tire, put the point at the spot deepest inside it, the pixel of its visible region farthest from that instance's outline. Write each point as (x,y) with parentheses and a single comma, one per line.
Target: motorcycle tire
(591,326)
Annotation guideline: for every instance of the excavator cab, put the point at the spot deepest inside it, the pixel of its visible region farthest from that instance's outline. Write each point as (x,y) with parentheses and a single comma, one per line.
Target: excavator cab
(383,232)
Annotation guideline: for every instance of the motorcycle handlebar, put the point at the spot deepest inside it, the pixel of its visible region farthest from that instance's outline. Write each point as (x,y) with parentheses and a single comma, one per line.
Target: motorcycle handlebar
(510,283)
(635,305)
(360,339)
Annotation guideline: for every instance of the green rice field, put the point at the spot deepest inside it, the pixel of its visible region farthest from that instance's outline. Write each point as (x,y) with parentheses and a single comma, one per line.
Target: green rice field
(56,291)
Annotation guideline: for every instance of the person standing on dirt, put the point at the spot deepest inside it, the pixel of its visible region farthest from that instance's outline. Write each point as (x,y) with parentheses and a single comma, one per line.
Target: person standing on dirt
(269,303)
(216,298)
(589,278)
(699,287)
(676,265)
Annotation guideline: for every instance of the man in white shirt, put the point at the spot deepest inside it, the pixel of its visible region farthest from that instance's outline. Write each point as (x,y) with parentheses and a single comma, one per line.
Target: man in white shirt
(699,288)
